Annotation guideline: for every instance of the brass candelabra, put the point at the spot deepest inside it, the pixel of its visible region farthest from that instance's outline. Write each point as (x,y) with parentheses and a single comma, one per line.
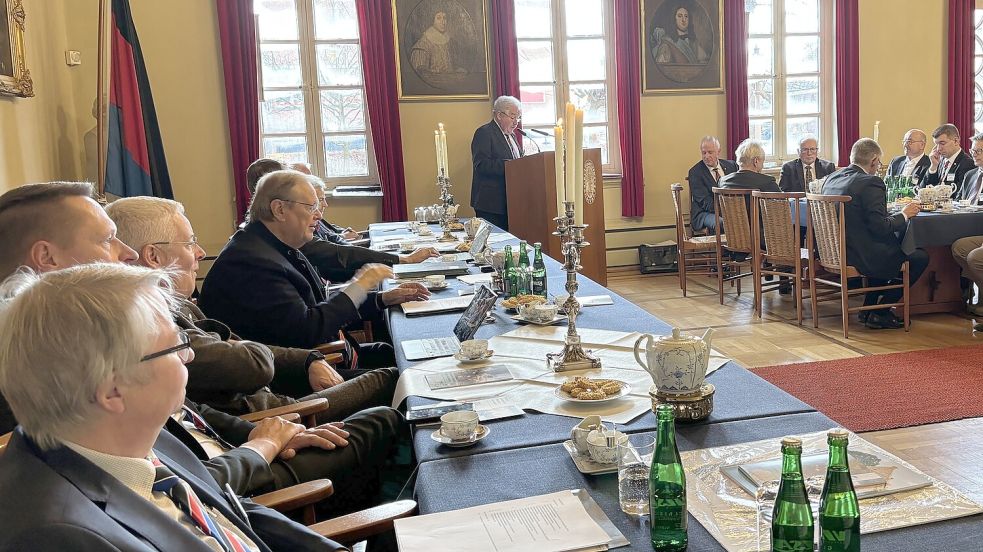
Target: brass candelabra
(448,213)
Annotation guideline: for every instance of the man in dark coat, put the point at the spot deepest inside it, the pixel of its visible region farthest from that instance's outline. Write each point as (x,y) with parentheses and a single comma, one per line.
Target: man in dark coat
(492,145)
(949,163)
(798,173)
(703,176)
(914,163)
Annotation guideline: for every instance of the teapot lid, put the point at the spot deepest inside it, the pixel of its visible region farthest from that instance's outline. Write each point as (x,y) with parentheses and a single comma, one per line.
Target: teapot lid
(677,336)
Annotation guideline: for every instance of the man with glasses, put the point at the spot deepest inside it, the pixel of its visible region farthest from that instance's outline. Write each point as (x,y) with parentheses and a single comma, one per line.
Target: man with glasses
(949,163)
(703,177)
(494,144)
(914,163)
(797,174)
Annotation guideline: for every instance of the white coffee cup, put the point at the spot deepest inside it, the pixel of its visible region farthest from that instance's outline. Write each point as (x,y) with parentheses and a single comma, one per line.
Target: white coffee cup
(434,280)
(407,246)
(474,348)
(460,425)
(448,258)
(600,450)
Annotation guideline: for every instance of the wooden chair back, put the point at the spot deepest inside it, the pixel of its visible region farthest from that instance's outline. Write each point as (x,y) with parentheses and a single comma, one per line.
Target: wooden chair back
(731,204)
(827,224)
(777,215)
(682,229)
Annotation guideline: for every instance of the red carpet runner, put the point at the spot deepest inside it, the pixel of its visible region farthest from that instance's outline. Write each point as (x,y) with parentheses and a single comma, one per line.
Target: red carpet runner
(889,391)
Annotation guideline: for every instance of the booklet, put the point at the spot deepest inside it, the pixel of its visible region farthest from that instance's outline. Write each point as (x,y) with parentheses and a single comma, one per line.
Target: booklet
(462,378)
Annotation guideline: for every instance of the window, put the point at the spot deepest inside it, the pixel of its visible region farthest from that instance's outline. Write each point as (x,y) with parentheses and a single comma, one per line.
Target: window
(789,61)
(312,106)
(978,71)
(549,33)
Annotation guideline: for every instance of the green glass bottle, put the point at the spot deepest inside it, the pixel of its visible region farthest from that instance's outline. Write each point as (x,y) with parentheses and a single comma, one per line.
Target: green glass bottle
(508,274)
(538,271)
(792,524)
(522,272)
(839,511)
(667,488)
(523,253)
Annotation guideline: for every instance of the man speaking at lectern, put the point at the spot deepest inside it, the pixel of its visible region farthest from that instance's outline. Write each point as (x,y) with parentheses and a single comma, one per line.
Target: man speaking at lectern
(493,144)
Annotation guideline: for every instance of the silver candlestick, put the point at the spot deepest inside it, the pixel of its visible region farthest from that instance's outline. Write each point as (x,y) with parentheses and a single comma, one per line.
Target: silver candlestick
(573,356)
(447,200)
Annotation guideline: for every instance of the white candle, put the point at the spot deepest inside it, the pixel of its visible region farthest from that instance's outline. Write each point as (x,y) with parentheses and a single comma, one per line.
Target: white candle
(436,144)
(558,165)
(568,158)
(443,148)
(578,167)
(877,129)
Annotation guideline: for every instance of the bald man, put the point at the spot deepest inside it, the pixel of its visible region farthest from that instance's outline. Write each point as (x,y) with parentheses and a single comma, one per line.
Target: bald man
(914,163)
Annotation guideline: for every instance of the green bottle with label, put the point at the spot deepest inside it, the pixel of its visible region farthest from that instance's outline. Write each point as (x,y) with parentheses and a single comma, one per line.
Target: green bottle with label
(538,271)
(509,274)
(839,510)
(792,523)
(667,488)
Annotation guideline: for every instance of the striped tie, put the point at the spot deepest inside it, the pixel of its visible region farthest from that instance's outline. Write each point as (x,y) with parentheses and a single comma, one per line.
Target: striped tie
(188,502)
(202,426)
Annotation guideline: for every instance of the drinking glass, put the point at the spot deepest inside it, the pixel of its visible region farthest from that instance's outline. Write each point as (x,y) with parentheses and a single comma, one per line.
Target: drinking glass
(634,464)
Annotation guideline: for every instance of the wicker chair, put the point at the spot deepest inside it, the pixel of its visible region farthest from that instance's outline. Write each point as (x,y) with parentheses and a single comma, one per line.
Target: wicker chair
(731,205)
(827,225)
(695,253)
(775,217)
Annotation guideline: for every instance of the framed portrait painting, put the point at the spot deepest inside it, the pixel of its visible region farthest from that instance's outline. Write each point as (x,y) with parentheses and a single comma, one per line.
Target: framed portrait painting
(682,42)
(15,79)
(441,49)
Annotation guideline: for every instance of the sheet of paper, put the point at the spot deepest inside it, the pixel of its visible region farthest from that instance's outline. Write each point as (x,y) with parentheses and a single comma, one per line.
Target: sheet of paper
(413,380)
(463,378)
(499,237)
(473,279)
(415,308)
(548,523)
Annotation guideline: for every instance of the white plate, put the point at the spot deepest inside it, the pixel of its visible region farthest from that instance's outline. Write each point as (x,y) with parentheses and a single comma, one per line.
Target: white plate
(482,432)
(465,360)
(563,395)
(585,463)
(436,288)
(556,318)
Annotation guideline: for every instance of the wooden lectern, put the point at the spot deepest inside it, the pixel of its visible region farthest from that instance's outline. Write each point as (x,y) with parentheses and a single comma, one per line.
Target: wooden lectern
(531,190)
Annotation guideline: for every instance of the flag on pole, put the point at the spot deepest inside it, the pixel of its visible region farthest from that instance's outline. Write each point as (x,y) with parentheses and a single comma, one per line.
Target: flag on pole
(135,163)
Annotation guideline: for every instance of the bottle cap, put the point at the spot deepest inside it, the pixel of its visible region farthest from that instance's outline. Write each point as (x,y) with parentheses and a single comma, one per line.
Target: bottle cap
(791,442)
(838,434)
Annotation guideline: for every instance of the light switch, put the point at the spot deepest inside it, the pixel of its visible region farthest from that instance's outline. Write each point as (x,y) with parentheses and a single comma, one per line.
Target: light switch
(73,57)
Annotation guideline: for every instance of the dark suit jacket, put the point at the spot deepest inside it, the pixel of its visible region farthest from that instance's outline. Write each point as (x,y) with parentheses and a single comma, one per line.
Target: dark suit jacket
(336,260)
(964,164)
(968,185)
(58,500)
(793,174)
(921,169)
(267,292)
(701,183)
(872,245)
(489,152)
(749,180)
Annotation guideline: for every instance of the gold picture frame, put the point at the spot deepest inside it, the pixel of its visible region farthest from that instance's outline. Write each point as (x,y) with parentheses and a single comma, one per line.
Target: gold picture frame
(441,49)
(678,67)
(15,78)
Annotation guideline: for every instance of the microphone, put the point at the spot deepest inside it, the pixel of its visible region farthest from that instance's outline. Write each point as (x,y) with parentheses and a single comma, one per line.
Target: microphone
(537,131)
(526,134)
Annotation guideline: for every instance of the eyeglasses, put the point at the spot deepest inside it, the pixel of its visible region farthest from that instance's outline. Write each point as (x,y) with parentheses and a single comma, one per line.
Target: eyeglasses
(912,141)
(323,201)
(311,208)
(190,243)
(809,150)
(183,350)
(976,151)
(515,118)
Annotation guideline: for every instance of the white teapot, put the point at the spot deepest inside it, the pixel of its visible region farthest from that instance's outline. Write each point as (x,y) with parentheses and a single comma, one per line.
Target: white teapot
(677,363)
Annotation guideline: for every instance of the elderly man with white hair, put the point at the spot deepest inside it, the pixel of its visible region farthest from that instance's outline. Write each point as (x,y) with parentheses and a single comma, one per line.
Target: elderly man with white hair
(492,145)
(798,173)
(751,159)
(94,366)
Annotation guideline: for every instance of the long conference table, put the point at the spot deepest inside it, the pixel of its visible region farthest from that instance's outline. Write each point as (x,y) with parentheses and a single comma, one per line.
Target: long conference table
(524,456)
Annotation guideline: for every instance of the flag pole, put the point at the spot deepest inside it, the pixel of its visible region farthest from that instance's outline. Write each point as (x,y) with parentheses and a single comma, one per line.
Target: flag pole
(102,94)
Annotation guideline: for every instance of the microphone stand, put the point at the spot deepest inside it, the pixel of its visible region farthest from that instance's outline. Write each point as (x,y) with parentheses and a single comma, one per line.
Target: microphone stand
(526,135)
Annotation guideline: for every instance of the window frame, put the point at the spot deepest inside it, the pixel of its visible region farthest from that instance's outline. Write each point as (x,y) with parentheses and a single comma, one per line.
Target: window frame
(779,78)
(561,83)
(977,70)
(310,89)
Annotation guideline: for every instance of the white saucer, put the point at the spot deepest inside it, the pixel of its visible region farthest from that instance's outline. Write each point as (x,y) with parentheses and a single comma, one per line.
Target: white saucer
(557,318)
(436,288)
(465,360)
(482,432)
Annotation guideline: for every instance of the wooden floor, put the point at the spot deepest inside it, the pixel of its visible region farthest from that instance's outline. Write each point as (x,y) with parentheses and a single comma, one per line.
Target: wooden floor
(951,451)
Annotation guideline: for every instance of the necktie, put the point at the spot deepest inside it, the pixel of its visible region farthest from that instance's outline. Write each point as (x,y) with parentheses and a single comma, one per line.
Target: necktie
(716,174)
(202,426)
(943,170)
(809,177)
(512,146)
(977,190)
(165,481)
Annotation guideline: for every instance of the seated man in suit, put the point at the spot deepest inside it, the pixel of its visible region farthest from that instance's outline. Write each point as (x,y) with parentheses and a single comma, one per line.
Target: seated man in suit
(948,162)
(968,251)
(264,288)
(872,242)
(94,368)
(492,145)
(798,173)
(252,458)
(329,252)
(751,157)
(703,176)
(914,163)
(227,373)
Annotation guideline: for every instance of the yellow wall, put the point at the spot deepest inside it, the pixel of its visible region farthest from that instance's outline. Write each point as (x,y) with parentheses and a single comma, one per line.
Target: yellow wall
(41,138)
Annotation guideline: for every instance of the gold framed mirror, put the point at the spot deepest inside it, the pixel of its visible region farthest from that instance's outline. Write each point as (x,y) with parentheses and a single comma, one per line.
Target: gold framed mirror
(15,78)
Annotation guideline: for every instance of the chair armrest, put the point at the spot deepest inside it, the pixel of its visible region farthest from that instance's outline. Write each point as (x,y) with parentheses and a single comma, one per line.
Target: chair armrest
(366,523)
(334,359)
(305,409)
(297,497)
(331,347)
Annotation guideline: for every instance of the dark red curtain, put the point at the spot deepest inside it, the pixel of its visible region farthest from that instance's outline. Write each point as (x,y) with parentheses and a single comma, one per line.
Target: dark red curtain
(627,24)
(961,48)
(505,55)
(847,77)
(237,32)
(375,27)
(735,73)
